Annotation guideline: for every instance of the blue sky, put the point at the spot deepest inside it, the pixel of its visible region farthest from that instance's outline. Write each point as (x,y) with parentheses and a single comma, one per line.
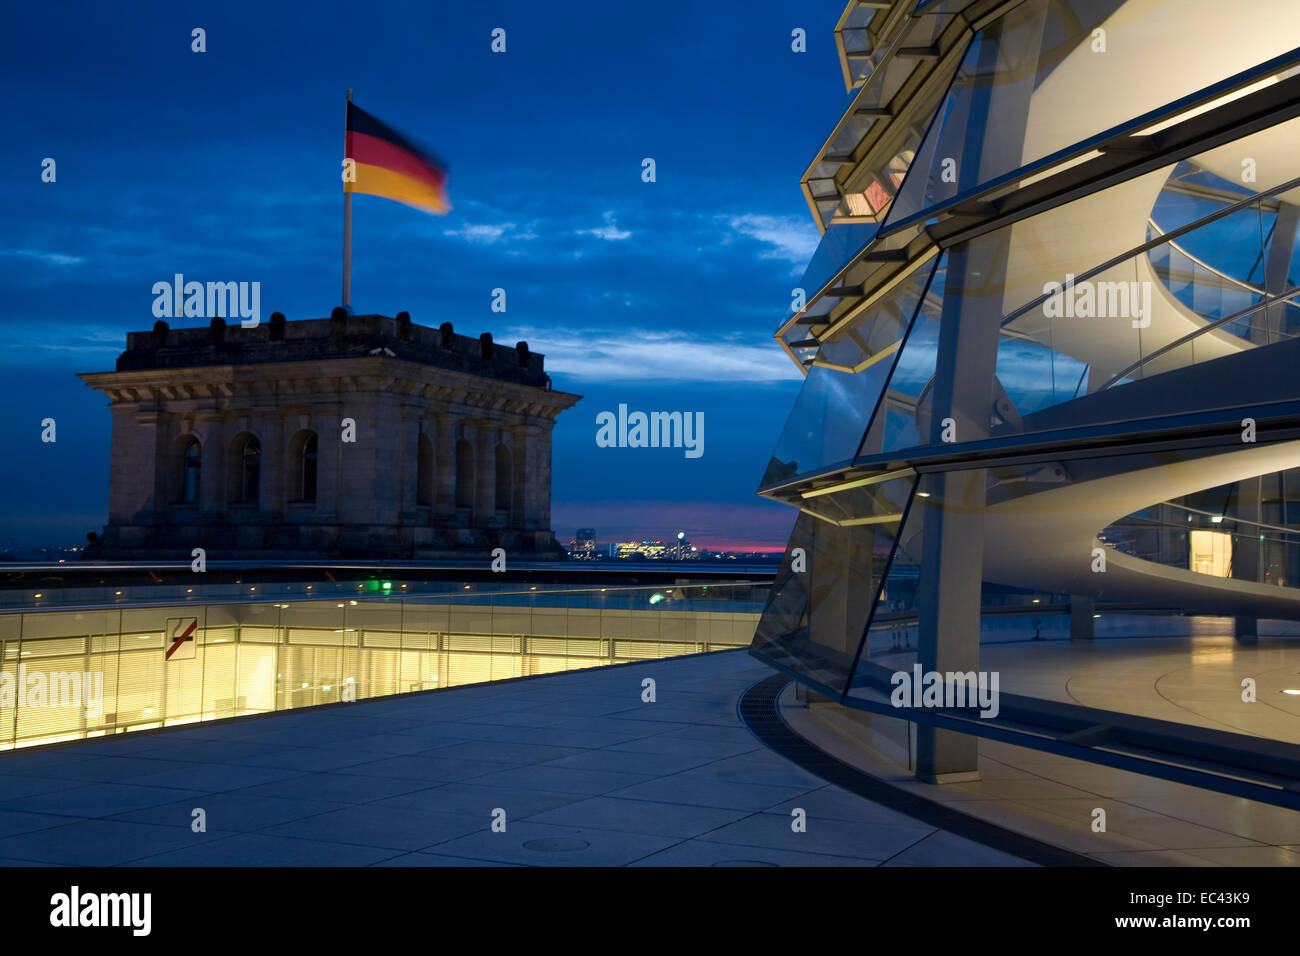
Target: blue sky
(225,165)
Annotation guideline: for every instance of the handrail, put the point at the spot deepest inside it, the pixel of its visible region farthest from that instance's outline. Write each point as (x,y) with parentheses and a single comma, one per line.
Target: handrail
(1248,286)
(1152,243)
(1284,296)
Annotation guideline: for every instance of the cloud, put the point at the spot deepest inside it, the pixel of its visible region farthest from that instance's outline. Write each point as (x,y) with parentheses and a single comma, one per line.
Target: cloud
(53,258)
(486,234)
(789,237)
(642,355)
(609,232)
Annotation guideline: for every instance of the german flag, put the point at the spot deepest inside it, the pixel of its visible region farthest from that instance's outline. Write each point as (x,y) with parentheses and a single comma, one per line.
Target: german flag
(390,165)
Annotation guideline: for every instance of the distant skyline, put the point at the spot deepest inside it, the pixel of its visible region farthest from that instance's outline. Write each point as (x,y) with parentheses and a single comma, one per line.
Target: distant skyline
(224,166)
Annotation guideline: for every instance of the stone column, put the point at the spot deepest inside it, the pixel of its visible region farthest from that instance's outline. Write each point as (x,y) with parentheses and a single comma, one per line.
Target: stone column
(541,478)
(444,465)
(138,476)
(211,433)
(485,474)
(534,513)
(365,497)
(408,463)
(272,490)
(518,476)
(329,453)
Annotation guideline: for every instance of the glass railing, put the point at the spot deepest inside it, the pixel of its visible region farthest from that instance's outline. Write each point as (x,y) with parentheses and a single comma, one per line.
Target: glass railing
(74,674)
(1067,335)
(1223,546)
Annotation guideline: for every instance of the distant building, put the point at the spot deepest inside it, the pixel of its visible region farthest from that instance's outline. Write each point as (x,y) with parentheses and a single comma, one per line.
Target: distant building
(641,550)
(354,436)
(583,545)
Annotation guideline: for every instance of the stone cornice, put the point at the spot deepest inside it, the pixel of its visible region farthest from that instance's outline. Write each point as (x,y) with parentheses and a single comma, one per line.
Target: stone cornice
(307,382)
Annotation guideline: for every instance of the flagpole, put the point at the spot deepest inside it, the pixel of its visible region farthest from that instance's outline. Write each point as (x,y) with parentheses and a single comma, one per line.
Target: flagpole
(347,225)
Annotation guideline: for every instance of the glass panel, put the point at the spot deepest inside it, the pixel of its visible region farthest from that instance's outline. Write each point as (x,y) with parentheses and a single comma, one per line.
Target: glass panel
(1203,531)
(819,605)
(1034,83)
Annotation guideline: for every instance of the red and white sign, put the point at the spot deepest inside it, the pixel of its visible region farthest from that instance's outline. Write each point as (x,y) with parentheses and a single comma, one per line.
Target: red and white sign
(181,640)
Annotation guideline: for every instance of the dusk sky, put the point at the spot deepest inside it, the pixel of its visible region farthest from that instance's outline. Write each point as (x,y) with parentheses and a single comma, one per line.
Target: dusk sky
(224,166)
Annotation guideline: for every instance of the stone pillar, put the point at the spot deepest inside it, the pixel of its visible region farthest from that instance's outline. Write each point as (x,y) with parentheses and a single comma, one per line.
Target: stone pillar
(384,443)
(140,465)
(519,477)
(444,464)
(362,499)
(273,488)
(211,433)
(408,464)
(485,474)
(325,423)
(540,479)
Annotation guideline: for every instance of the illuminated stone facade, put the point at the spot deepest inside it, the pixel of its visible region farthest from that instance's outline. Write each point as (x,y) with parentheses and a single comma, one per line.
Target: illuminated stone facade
(354,436)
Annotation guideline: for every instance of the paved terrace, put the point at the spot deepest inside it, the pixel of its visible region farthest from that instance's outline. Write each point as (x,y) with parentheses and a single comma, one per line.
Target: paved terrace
(586,773)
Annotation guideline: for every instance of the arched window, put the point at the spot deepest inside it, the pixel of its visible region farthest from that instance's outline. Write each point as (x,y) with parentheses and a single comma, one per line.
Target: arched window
(503,478)
(191,462)
(250,470)
(306,470)
(424,472)
(464,474)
